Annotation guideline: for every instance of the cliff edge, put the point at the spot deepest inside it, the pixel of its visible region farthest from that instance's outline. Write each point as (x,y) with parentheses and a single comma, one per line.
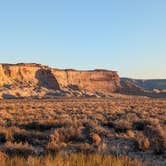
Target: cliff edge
(35,80)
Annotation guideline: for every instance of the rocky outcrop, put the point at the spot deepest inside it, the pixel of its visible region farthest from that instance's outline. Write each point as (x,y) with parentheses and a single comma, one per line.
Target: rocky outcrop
(34,80)
(102,81)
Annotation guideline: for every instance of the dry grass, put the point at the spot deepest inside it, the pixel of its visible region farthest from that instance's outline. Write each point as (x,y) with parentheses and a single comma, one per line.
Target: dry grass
(115,126)
(70,160)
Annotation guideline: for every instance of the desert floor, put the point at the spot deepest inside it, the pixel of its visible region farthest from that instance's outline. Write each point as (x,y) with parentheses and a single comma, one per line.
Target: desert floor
(133,127)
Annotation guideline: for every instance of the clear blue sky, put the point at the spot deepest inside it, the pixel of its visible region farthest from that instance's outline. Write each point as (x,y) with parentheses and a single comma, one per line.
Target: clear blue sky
(128,36)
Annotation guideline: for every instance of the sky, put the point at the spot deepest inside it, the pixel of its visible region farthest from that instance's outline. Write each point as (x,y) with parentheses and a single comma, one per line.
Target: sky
(128,36)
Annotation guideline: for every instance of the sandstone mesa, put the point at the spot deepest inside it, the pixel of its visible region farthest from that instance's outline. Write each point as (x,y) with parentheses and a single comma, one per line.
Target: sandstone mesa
(34,80)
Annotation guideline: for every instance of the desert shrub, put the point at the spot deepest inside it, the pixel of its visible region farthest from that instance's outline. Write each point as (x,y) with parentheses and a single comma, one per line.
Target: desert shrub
(95,138)
(3,156)
(139,125)
(157,137)
(20,149)
(153,121)
(90,124)
(53,147)
(86,148)
(122,126)
(102,148)
(131,133)
(142,142)
(100,129)
(66,134)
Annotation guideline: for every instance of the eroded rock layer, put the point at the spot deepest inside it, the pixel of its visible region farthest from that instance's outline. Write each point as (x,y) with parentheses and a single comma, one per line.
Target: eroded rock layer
(27,80)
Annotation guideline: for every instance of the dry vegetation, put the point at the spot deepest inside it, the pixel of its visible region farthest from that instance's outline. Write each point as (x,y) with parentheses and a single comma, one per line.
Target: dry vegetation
(79,129)
(70,160)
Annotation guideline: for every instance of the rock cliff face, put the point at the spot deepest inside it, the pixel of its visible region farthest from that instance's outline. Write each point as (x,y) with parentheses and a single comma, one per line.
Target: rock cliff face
(88,81)
(27,80)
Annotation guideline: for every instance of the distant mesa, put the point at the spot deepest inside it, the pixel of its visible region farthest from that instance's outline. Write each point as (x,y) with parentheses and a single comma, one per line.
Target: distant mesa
(39,81)
(150,88)
(148,84)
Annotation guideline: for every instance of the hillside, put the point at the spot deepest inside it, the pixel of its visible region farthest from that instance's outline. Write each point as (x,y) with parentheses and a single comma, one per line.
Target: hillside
(148,84)
(149,88)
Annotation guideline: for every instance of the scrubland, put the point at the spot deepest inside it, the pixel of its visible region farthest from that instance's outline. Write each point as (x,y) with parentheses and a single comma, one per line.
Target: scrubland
(105,131)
